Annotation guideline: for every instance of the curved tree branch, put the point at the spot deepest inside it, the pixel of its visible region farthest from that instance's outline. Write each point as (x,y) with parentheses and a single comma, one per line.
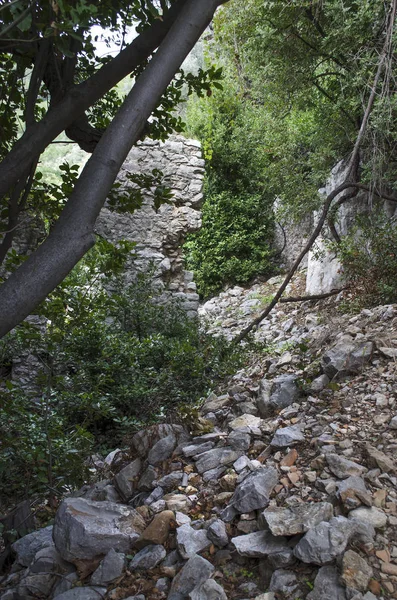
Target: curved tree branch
(79,98)
(73,234)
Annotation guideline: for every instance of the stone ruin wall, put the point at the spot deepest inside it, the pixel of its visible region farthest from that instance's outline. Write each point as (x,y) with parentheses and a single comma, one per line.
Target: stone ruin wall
(159,235)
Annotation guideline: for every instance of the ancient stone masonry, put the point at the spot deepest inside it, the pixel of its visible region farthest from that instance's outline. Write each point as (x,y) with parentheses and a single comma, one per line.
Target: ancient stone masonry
(159,234)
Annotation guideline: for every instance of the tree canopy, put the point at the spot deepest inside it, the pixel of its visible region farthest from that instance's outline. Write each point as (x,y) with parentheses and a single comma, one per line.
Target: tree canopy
(298,79)
(53,81)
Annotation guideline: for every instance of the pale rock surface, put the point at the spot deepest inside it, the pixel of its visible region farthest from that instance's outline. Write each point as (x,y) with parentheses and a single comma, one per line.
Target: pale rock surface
(84,530)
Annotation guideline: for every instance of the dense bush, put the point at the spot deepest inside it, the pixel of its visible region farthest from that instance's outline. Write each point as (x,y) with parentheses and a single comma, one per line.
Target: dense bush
(234,242)
(233,245)
(111,363)
(369,259)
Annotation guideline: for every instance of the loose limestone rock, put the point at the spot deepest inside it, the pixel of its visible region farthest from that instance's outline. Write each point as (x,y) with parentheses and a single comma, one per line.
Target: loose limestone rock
(254,491)
(287,436)
(195,572)
(327,586)
(126,479)
(297,519)
(214,403)
(217,533)
(189,541)
(84,530)
(346,357)
(215,458)
(284,583)
(27,547)
(344,468)
(162,450)
(259,544)
(210,590)
(148,558)
(276,394)
(374,516)
(380,459)
(325,542)
(356,572)
(110,568)
(158,530)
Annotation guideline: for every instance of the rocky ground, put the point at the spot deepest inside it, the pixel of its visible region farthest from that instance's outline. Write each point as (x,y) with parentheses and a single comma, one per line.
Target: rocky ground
(291,493)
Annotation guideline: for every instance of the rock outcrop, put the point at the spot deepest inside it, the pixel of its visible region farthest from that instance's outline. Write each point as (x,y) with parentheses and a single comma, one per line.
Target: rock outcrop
(232,514)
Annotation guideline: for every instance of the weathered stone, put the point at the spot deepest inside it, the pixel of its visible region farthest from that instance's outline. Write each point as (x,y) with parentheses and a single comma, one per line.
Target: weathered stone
(246,422)
(162,450)
(127,478)
(374,516)
(325,542)
(65,584)
(254,491)
(284,582)
(259,544)
(343,468)
(83,593)
(287,436)
(189,541)
(214,403)
(297,519)
(171,481)
(109,569)
(157,531)
(154,497)
(101,491)
(27,547)
(145,483)
(318,384)
(380,459)
(215,458)
(33,585)
(84,530)
(210,590)
(352,492)
(195,449)
(346,357)
(282,559)
(356,572)
(178,502)
(48,560)
(239,440)
(327,586)
(276,394)
(148,558)
(195,572)
(144,440)
(217,533)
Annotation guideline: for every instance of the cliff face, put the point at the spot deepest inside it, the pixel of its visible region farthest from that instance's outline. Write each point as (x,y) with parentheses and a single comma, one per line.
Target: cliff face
(324,270)
(159,234)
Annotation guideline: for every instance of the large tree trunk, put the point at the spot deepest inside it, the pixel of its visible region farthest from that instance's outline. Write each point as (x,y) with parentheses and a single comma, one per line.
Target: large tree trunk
(79,98)
(73,233)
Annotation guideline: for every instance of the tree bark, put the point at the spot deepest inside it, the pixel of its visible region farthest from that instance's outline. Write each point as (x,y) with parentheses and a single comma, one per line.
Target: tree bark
(79,98)
(73,234)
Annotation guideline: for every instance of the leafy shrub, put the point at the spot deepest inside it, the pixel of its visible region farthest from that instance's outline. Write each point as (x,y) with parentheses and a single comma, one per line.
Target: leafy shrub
(369,259)
(233,244)
(111,363)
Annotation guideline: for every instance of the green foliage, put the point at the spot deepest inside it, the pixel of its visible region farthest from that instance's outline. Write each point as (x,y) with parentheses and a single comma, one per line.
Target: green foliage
(369,258)
(233,244)
(41,452)
(111,362)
